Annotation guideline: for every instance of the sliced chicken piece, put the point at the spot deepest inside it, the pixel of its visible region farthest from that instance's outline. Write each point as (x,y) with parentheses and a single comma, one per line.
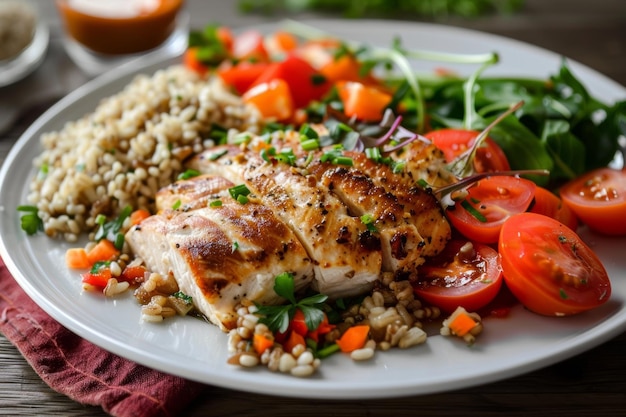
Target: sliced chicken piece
(222,256)
(346,255)
(400,239)
(192,193)
(421,208)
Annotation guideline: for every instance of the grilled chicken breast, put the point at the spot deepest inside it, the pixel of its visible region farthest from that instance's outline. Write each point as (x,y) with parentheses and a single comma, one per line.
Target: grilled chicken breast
(303,217)
(220,256)
(346,255)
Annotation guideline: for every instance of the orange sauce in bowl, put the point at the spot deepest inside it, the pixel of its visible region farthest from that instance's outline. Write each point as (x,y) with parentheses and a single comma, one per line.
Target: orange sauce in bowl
(119,27)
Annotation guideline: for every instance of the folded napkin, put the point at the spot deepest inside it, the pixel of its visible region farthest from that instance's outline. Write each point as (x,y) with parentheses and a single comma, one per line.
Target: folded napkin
(83,371)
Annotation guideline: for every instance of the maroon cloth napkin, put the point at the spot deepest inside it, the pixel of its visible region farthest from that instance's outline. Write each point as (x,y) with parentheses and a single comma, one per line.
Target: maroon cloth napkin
(83,371)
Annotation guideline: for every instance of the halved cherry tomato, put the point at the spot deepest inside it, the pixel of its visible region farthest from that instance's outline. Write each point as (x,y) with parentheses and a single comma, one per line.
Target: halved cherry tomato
(305,83)
(549,204)
(363,101)
(489,156)
(465,274)
(488,204)
(273,99)
(599,199)
(242,75)
(549,268)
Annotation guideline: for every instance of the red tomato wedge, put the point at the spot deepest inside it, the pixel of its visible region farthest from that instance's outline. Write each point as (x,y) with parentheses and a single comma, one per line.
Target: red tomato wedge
(305,82)
(465,274)
(242,75)
(548,268)
(489,156)
(549,204)
(599,199)
(488,204)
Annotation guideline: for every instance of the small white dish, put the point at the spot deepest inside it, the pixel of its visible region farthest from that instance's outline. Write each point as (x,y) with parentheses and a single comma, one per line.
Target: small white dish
(16,69)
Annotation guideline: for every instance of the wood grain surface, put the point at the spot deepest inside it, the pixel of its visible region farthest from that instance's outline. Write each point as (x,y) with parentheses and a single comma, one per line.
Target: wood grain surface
(592,383)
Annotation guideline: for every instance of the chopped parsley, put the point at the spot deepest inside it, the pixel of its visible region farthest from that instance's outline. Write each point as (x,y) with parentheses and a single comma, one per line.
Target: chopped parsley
(277,318)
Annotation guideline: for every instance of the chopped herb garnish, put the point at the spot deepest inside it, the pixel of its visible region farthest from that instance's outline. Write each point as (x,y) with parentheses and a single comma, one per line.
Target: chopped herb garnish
(30,221)
(240,193)
(176,205)
(111,229)
(240,138)
(563,294)
(310,144)
(235,246)
(286,156)
(368,220)
(190,173)
(217,155)
(182,296)
(266,154)
(277,318)
(472,210)
(307,132)
(215,203)
(423,183)
(373,154)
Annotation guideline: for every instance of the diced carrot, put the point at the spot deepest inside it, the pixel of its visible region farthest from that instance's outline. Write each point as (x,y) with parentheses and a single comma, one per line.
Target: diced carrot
(362,101)
(273,99)
(76,258)
(261,343)
(191,61)
(354,338)
(344,68)
(138,215)
(462,324)
(294,340)
(103,251)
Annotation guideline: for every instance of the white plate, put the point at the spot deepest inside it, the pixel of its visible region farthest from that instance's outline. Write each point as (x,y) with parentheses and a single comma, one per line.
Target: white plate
(195,350)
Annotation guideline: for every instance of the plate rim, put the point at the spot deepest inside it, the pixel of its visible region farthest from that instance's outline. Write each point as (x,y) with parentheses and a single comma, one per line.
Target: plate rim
(602,333)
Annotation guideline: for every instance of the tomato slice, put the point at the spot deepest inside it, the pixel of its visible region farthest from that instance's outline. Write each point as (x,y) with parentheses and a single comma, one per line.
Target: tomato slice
(465,274)
(305,82)
(488,204)
(599,199)
(489,156)
(549,204)
(242,75)
(549,268)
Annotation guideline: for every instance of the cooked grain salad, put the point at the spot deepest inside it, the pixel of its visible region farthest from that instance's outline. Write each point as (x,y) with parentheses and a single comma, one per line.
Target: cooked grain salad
(130,146)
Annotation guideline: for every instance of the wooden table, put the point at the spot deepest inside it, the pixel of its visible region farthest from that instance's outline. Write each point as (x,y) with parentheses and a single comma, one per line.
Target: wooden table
(592,383)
